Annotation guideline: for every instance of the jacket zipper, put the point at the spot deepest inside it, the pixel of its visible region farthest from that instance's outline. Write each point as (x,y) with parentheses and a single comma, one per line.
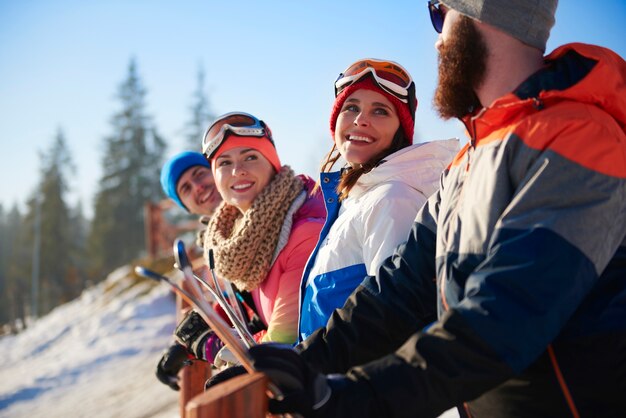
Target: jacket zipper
(471,129)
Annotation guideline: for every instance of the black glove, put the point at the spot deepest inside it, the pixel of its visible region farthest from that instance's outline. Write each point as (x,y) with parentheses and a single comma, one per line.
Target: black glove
(305,390)
(193,332)
(174,358)
(224,375)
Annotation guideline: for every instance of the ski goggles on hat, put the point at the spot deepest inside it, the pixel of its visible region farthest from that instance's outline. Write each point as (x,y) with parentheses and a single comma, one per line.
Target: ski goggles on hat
(390,76)
(236,123)
(437,15)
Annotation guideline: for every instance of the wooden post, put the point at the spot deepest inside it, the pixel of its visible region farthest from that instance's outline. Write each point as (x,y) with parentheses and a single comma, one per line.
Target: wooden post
(191,378)
(240,397)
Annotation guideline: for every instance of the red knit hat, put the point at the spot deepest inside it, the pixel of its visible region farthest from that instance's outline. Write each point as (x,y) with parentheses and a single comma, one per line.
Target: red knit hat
(402,109)
(261,144)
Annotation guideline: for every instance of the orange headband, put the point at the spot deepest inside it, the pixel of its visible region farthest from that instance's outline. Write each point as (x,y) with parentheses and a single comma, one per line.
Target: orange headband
(262,144)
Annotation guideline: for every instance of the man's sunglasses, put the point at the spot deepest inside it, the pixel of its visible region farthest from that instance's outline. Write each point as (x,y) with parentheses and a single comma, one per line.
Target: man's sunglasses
(437,15)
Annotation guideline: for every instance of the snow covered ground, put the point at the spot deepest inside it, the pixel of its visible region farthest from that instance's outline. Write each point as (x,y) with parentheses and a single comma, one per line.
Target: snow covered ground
(93,357)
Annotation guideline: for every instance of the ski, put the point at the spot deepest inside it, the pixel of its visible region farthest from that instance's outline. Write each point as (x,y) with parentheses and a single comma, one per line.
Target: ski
(184,265)
(217,324)
(238,309)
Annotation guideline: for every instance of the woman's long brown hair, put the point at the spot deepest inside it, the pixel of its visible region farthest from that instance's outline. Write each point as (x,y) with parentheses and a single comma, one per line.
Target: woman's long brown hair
(351,175)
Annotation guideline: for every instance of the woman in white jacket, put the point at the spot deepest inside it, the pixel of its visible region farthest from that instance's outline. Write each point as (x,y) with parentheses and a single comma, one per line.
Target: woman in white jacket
(371,203)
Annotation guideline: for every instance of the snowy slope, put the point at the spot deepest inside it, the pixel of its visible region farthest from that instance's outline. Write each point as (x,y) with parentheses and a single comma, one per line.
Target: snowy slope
(93,357)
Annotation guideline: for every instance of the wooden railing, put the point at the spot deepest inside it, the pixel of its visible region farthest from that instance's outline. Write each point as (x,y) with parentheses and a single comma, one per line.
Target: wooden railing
(240,397)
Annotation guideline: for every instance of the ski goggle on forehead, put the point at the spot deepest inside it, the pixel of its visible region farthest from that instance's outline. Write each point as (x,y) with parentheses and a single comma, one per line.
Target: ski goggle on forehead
(389,75)
(236,123)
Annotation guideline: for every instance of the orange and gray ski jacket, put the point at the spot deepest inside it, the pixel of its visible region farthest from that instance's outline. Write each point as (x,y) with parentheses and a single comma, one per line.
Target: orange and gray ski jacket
(510,294)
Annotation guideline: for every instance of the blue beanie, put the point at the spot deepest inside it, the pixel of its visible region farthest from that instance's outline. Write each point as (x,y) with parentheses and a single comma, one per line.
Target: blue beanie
(175,167)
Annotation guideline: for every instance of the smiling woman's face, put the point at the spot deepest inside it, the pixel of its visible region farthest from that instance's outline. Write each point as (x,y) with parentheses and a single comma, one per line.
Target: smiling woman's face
(241,173)
(365,126)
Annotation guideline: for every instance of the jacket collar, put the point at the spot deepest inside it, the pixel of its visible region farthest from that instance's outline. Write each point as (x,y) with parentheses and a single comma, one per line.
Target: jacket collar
(577,72)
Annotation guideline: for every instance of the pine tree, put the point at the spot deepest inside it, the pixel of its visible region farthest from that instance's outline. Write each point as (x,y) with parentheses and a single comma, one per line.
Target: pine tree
(79,227)
(130,166)
(46,215)
(201,115)
(53,225)
(6,237)
(16,267)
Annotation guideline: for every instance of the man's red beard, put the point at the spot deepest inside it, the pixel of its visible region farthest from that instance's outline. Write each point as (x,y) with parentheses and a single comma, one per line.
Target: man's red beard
(462,65)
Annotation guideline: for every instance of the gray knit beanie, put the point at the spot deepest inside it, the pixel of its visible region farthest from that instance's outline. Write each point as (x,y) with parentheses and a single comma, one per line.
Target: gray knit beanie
(529,21)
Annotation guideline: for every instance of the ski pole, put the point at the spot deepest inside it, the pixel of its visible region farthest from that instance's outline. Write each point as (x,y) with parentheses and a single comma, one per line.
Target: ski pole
(183,263)
(216,282)
(216,323)
(181,257)
(229,289)
(241,328)
(212,293)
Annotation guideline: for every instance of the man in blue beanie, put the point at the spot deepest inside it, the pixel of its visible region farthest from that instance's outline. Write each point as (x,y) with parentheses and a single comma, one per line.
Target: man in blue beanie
(187,179)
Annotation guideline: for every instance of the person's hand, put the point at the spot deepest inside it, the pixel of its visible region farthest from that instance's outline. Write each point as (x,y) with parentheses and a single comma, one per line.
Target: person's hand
(174,358)
(225,358)
(224,375)
(304,390)
(202,342)
(192,332)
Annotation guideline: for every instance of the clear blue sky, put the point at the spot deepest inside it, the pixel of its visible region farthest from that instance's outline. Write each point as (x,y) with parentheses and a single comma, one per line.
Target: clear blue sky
(61,63)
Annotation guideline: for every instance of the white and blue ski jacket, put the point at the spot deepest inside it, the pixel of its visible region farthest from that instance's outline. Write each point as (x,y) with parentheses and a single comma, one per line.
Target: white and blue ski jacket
(362,231)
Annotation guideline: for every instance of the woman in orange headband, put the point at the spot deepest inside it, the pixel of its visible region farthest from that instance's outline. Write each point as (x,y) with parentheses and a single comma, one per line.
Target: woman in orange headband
(261,235)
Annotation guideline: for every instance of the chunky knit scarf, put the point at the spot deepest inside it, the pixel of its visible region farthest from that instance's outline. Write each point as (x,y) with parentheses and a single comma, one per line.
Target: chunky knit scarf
(244,245)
